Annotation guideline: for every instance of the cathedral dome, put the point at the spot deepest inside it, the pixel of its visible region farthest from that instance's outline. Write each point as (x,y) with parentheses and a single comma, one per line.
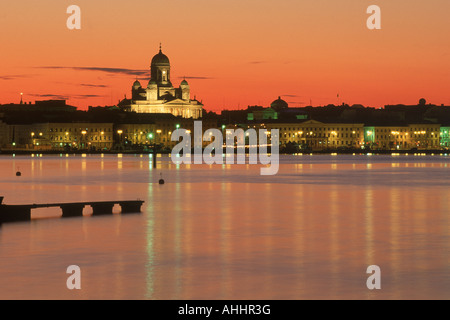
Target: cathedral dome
(184,83)
(137,84)
(279,104)
(160,59)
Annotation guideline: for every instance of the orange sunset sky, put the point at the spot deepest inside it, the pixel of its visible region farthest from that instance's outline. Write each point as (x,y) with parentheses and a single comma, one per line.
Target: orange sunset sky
(233,53)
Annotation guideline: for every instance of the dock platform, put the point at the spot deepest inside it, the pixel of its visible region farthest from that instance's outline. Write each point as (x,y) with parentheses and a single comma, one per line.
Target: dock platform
(15,213)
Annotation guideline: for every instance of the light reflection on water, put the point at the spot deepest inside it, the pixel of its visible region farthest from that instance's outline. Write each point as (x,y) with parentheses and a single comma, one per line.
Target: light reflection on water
(225,232)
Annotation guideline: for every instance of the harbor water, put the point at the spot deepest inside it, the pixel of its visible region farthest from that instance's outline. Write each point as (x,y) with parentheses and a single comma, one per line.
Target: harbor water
(227,232)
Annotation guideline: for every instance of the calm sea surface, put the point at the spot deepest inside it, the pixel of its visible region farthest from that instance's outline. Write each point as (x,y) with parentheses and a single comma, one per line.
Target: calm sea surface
(225,232)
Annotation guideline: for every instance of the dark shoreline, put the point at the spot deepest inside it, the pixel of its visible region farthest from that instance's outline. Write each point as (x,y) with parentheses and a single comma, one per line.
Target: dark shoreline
(327,152)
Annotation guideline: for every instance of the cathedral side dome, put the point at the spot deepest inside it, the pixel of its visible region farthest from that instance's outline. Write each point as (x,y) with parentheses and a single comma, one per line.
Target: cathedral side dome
(137,84)
(279,104)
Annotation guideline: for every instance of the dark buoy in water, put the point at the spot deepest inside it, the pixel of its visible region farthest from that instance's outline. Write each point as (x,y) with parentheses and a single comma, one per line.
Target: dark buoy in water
(18,174)
(161,181)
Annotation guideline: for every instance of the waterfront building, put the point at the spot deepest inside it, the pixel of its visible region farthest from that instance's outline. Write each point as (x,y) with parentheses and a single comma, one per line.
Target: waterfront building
(444,137)
(425,135)
(403,137)
(166,125)
(316,135)
(387,137)
(61,136)
(160,96)
(143,134)
(279,109)
(260,113)
(81,135)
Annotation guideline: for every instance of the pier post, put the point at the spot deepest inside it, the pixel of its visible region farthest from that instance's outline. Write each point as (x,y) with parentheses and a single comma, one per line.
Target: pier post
(72,210)
(102,208)
(13,213)
(131,207)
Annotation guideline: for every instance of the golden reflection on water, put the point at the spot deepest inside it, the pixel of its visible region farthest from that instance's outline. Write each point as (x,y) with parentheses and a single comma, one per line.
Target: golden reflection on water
(368,229)
(149,233)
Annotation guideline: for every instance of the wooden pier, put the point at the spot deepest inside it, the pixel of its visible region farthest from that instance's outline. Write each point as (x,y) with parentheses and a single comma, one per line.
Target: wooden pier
(14,213)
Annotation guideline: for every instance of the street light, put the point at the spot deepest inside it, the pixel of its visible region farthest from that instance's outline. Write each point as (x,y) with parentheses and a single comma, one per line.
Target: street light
(84,132)
(120,135)
(32,138)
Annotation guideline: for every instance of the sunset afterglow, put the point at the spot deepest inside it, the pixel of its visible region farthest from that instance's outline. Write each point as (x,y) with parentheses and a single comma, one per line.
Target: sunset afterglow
(233,53)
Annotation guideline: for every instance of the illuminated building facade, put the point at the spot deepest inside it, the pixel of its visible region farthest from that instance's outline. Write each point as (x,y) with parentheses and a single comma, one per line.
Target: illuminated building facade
(136,134)
(412,136)
(317,135)
(425,136)
(160,96)
(60,136)
(94,136)
(165,127)
(445,137)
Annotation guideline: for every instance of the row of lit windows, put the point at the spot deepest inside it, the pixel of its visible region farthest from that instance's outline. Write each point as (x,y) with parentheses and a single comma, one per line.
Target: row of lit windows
(59,145)
(92,138)
(323,135)
(381,136)
(318,129)
(425,129)
(357,129)
(75,130)
(424,136)
(406,129)
(334,143)
(137,131)
(390,130)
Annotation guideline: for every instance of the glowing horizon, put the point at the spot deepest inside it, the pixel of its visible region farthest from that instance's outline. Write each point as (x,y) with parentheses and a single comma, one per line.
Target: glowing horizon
(233,53)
